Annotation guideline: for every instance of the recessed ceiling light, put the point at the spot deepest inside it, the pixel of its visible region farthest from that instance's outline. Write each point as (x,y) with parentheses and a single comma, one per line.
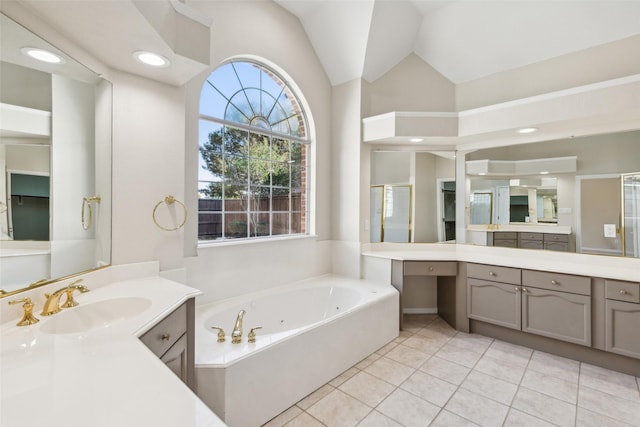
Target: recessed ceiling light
(527,130)
(544,173)
(416,140)
(42,55)
(482,173)
(152,59)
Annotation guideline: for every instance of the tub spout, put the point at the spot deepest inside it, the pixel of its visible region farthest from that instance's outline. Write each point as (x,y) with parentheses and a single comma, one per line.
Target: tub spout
(236,335)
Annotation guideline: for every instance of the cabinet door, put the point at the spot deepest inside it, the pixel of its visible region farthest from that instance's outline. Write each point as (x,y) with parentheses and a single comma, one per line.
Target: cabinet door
(558,315)
(623,324)
(494,302)
(176,358)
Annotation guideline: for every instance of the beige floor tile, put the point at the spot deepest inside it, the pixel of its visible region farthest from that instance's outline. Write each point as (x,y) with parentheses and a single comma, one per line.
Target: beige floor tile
(337,381)
(608,381)
(459,355)
(557,366)
(387,348)
(367,388)
(429,388)
(424,344)
(407,409)
(338,409)
(445,370)
(390,371)
(304,420)
(514,355)
(368,361)
(609,405)
(473,342)
(500,369)
(520,419)
(476,408)
(434,334)
(447,419)
(545,407)
(586,418)
(550,385)
(376,419)
(315,397)
(491,387)
(284,417)
(408,356)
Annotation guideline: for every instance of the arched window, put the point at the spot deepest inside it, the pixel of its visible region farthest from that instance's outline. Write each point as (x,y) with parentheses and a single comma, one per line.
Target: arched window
(252,179)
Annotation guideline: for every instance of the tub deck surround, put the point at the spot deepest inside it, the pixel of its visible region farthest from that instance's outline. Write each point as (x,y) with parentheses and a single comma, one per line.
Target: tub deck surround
(103,376)
(313,330)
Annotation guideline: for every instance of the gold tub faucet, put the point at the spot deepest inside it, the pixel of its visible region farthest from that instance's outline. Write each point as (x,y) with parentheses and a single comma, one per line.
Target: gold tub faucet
(52,304)
(236,335)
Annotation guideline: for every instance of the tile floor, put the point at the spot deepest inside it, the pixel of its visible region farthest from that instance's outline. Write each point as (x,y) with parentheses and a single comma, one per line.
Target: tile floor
(432,375)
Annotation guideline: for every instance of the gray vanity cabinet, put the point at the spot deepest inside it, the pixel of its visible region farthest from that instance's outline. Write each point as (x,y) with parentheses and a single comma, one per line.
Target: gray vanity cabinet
(623,317)
(172,340)
(549,304)
(493,295)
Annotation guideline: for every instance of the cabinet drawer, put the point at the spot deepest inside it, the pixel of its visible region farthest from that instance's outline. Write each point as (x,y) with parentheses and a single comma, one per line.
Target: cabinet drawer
(428,268)
(506,243)
(494,273)
(623,291)
(163,335)
(556,238)
(557,282)
(505,235)
(556,246)
(531,236)
(531,244)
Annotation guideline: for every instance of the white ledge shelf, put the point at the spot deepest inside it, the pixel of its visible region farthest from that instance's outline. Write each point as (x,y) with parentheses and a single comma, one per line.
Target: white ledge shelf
(23,122)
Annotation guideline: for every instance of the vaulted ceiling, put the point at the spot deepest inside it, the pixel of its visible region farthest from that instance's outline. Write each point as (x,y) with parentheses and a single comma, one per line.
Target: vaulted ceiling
(462,39)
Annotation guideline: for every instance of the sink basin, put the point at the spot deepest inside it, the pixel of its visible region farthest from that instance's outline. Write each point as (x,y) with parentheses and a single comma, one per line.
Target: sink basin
(99,314)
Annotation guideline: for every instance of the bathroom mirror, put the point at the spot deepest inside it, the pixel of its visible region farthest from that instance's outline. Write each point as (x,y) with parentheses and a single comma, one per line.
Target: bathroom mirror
(416,186)
(584,200)
(55,164)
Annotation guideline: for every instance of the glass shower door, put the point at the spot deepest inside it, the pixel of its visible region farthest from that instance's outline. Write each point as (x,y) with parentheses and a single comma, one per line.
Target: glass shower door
(631,214)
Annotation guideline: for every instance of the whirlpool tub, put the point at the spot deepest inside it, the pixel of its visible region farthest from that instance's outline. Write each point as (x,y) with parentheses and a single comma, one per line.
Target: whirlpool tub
(311,331)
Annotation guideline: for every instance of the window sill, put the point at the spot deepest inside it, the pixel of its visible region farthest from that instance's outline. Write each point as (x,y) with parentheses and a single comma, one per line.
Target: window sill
(217,244)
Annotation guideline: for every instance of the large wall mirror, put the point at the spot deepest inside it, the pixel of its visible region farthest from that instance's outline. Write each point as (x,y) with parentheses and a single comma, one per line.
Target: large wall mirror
(412,196)
(55,164)
(585,185)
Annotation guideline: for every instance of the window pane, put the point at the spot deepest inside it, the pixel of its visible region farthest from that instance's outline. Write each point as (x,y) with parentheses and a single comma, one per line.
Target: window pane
(297,222)
(210,190)
(236,169)
(235,225)
(235,141)
(280,223)
(209,161)
(238,109)
(298,152)
(259,147)
(234,192)
(260,172)
(259,224)
(280,199)
(297,174)
(260,199)
(209,223)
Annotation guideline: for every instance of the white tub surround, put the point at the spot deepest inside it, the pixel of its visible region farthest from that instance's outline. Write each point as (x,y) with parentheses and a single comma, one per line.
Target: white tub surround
(313,330)
(102,376)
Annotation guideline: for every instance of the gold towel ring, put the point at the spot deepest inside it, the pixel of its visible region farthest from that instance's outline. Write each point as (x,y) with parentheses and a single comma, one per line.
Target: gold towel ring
(169,200)
(87,201)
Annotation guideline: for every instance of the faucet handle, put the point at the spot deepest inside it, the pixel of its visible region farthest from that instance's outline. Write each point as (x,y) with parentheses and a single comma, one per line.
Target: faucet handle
(252,334)
(221,337)
(73,286)
(27,316)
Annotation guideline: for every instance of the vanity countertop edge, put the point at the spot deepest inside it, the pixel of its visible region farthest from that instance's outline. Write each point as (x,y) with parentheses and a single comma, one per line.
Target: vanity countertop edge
(104,376)
(618,268)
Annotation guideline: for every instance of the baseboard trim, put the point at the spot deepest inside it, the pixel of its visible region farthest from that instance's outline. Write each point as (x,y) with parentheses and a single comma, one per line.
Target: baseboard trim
(432,310)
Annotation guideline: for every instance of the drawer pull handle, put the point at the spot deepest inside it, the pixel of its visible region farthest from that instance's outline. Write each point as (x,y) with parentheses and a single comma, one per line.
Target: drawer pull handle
(553,282)
(491,273)
(623,292)
(517,289)
(165,337)
(430,268)
(525,290)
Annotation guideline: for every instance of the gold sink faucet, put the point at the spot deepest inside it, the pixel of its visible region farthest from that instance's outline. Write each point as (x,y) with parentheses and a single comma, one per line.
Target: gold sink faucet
(236,335)
(27,316)
(52,304)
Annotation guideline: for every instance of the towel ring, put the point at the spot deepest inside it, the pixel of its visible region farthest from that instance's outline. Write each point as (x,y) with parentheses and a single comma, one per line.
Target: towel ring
(86,201)
(169,200)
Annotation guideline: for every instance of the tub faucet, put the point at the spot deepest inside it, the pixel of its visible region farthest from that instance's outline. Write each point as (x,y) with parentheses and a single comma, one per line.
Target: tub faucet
(236,335)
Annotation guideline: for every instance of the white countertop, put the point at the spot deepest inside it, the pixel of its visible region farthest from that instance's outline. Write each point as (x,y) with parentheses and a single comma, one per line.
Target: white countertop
(102,377)
(560,262)
(523,228)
